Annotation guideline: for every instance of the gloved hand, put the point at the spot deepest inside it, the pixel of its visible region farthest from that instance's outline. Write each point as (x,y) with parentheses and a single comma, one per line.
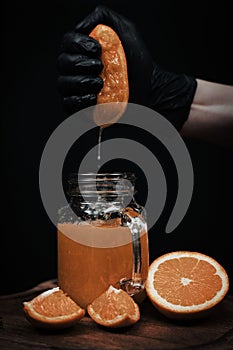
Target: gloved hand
(79,64)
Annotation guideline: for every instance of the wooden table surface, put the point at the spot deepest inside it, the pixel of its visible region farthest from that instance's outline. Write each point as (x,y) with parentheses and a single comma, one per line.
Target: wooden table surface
(153,331)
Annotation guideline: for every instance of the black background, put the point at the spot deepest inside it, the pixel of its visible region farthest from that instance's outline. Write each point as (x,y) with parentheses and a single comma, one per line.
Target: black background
(183,37)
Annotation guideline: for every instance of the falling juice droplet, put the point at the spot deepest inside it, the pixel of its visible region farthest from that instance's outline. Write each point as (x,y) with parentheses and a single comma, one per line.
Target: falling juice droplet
(99,146)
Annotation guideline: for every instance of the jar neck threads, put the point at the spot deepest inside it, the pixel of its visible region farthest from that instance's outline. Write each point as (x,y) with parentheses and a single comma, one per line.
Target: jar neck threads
(108,187)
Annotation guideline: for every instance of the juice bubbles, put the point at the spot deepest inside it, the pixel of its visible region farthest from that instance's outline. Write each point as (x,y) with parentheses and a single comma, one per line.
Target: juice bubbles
(105,243)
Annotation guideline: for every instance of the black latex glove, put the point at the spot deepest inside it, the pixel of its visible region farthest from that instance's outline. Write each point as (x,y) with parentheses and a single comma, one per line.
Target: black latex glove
(168,93)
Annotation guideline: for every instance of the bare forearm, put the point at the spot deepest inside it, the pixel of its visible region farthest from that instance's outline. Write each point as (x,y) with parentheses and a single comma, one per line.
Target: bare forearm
(211,114)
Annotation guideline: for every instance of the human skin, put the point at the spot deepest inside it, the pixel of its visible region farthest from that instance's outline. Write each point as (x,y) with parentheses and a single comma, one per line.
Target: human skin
(211,114)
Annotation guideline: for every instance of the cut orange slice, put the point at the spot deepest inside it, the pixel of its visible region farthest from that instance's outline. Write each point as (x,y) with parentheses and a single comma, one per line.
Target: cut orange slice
(186,284)
(114,308)
(114,74)
(53,309)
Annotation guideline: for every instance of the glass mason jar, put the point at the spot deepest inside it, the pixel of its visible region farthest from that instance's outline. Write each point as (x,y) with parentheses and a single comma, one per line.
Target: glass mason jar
(102,238)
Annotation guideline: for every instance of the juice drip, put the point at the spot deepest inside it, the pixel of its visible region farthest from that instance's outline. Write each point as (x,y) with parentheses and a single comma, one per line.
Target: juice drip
(99,147)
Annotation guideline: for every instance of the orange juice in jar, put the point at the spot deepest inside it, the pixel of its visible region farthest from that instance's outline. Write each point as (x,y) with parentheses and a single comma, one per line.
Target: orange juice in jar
(102,238)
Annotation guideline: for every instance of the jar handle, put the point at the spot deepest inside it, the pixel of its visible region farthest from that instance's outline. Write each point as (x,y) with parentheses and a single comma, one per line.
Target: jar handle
(136,226)
(137,257)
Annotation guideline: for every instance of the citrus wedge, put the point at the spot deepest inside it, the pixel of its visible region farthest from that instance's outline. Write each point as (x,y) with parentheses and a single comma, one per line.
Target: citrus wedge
(114,308)
(114,74)
(53,309)
(186,284)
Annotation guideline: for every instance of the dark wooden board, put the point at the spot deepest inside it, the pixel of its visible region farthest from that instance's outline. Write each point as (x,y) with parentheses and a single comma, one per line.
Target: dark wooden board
(153,331)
